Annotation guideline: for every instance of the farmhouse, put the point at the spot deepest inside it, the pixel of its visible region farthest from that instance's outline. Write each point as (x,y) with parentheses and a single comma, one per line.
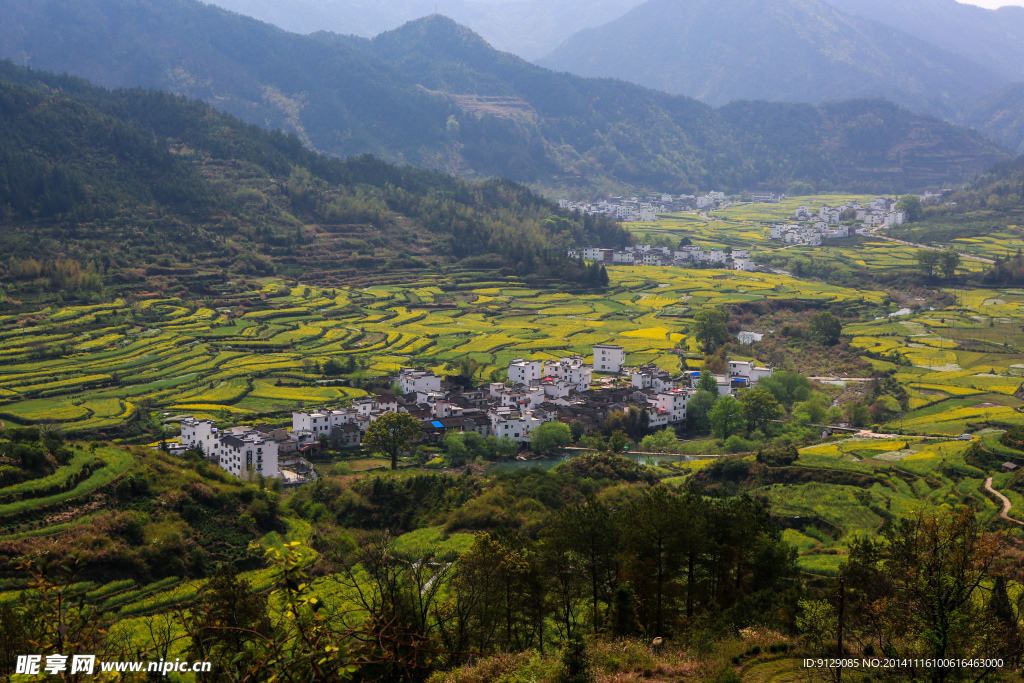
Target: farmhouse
(525,371)
(634,209)
(609,357)
(418,380)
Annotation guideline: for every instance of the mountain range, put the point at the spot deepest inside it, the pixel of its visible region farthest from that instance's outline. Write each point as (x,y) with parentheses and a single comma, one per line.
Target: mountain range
(138,182)
(528,28)
(434,94)
(957,61)
(993,38)
(533,29)
(785,50)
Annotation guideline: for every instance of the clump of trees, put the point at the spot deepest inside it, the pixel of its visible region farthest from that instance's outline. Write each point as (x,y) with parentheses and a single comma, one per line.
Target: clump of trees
(930,587)
(658,565)
(931,261)
(710,329)
(462,447)
(759,411)
(910,205)
(391,435)
(825,328)
(1006,271)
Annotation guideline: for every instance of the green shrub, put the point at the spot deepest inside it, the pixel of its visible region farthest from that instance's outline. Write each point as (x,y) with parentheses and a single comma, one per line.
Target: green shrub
(576,665)
(734,444)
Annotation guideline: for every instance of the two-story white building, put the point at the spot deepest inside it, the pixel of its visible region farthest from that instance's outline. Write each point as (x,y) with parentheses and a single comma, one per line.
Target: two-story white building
(517,426)
(202,434)
(747,371)
(624,258)
(416,380)
(525,371)
(673,403)
(609,357)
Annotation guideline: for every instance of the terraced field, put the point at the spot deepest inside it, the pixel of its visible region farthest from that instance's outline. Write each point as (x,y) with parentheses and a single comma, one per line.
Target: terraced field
(962,366)
(267,355)
(882,478)
(745,226)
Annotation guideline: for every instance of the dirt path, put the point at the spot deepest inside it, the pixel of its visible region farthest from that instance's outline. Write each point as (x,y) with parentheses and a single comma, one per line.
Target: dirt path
(1005,514)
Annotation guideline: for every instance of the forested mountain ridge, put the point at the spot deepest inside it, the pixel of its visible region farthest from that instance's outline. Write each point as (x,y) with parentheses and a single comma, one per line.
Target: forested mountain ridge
(641,135)
(423,95)
(109,183)
(333,97)
(788,50)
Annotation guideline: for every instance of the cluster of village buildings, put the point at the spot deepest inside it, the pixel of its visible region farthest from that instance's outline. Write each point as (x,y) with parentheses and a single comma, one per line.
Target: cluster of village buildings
(811,229)
(647,255)
(644,209)
(536,392)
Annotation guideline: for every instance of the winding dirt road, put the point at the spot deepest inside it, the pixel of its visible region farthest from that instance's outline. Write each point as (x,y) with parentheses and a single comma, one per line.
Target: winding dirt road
(1005,514)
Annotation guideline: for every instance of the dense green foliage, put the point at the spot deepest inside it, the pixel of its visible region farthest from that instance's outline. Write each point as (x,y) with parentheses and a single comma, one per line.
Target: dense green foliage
(94,184)
(156,524)
(390,435)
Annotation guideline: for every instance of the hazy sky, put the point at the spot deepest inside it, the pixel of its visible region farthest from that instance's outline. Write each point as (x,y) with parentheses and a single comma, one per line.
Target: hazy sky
(992,4)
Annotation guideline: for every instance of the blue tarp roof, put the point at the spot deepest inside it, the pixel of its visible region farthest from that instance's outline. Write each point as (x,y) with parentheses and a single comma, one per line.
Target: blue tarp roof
(435,423)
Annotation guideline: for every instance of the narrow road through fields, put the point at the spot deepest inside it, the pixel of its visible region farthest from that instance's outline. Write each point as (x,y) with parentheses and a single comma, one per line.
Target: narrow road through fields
(1005,514)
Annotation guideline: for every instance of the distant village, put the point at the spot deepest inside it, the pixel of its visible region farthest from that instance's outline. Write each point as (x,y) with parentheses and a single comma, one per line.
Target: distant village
(645,210)
(830,222)
(827,225)
(536,392)
(647,255)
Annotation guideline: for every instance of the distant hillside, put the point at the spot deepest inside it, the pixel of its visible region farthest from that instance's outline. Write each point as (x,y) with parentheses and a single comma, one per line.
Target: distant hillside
(434,94)
(992,38)
(100,189)
(999,116)
(785,50)
(333,98)
(528,28)
(646,137)
(992,205)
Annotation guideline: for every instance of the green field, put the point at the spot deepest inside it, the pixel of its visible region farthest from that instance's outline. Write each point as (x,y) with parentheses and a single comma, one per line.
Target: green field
(210,364)
(199,361)
(891,477)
